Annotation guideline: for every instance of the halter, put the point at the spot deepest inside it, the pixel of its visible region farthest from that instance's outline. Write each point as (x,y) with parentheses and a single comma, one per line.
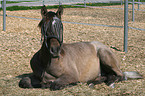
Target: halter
(52,29)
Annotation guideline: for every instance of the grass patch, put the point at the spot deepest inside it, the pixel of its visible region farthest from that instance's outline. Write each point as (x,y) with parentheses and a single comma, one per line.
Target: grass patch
(13,8)
(100,4)
(9,2)
(140,0)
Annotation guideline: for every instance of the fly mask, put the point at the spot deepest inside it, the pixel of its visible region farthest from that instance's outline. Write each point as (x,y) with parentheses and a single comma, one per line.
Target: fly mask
(52,29)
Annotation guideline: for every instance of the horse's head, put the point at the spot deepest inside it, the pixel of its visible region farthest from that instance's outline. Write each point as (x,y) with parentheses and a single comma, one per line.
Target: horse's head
(51,24)
(54,47)
(51,29)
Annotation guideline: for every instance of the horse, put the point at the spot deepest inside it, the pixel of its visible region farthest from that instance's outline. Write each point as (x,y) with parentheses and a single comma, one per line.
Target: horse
(58,65)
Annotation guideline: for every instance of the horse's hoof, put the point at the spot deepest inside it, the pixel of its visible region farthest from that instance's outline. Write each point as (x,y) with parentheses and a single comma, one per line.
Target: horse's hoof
(47,85)
(91,85)
(112,85)
(25,83)
(125,78)
(55,86)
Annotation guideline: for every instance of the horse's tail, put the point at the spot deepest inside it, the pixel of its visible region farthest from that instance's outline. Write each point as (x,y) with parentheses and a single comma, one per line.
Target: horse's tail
(132,75)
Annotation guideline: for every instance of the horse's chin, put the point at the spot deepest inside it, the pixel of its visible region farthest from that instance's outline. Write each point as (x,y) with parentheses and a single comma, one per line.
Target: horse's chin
(55,56)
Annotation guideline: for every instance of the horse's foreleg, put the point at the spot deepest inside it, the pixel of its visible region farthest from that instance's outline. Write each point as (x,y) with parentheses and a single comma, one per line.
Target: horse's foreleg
(62,82)
(25,83)
(30,82)
(98,80)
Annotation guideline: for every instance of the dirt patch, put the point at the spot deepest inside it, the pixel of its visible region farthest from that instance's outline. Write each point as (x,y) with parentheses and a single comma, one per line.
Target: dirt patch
(22,39)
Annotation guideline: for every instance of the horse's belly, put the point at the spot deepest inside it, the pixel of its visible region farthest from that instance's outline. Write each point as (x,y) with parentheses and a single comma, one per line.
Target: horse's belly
(91,70)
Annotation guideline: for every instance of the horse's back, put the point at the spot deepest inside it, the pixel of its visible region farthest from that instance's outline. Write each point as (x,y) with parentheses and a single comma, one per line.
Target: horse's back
(97,45)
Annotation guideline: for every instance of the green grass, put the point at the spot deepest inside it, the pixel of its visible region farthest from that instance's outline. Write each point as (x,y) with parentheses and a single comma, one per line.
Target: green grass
(9,2)
(100,4)
(140,0)
(13,8)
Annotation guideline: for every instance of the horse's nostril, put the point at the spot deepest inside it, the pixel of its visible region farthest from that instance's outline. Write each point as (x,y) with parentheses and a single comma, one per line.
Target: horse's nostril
(52,51)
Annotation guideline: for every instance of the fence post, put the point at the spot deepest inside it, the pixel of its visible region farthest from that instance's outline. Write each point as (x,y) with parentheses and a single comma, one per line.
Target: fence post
(84,3)
(60,2)
(121,2)
(133,10)
(125,25)
(43,2)
(138,4)
(4,15)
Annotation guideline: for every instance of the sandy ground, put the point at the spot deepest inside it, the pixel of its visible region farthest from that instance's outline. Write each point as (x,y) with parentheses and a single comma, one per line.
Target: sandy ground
(22,39)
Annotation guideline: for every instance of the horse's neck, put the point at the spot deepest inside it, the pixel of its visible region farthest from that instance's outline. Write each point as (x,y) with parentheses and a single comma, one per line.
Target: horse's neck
(44,55)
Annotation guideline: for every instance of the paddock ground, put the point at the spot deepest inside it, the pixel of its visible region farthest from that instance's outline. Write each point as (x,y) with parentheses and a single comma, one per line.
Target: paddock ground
(22,39)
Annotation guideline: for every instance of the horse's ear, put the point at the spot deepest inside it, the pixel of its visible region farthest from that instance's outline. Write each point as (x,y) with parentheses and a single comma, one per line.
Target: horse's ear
(59,12)
(43,11)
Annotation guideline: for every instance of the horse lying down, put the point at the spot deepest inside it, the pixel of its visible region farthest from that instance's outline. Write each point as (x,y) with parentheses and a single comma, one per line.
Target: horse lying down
(90,62)
(58,65)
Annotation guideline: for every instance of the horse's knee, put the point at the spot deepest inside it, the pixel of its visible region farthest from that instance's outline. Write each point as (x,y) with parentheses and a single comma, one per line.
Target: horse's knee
(25,83)
(107,57)
(108,62)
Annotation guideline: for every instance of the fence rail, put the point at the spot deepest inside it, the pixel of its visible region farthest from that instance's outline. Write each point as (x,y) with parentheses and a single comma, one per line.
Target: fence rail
(56,2)
(49,2)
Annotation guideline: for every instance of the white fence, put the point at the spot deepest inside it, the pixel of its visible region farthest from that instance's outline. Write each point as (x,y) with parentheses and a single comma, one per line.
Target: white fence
(56,2)
(64,2)
(53,2)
